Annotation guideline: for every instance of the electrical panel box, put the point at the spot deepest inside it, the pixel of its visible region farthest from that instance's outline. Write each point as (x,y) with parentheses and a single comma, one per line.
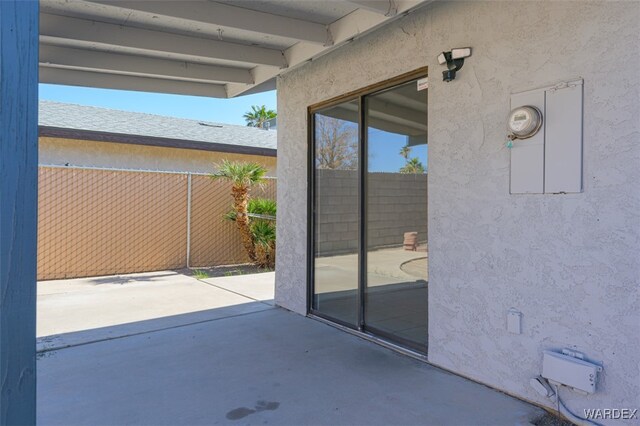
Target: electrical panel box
(550,161)
(561,369)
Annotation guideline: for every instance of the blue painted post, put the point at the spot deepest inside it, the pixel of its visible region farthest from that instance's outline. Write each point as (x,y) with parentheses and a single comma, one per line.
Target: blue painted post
(18,209)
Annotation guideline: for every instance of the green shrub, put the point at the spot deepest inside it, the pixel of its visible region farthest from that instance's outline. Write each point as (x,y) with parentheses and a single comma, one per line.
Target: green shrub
(264,240)
(263,231)
(200,274)
(256,206)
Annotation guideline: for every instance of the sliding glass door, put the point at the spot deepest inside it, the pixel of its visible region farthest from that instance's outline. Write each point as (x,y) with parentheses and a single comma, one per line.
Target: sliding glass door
(396,215)
(369,213)
(336,219)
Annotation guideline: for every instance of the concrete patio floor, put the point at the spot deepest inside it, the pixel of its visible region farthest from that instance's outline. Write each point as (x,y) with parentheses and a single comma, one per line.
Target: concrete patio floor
(385,266)
(253,363)
(82,310)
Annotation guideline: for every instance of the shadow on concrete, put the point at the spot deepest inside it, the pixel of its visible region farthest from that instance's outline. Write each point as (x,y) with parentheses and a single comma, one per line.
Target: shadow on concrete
(83,337)
(124,279)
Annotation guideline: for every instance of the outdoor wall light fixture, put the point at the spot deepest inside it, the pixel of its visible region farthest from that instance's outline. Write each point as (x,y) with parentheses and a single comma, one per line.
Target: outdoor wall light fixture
(454,60)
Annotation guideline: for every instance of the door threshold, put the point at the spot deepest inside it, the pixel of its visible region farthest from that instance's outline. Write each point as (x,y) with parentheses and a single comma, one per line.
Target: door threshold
(374,339)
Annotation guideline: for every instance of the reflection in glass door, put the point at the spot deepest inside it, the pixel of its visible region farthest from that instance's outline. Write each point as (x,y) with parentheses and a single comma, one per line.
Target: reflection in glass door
(396,215)
(336,221)
(369,214)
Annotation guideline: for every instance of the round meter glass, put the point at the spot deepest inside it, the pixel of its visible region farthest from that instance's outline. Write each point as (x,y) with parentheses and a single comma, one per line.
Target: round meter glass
(525,121)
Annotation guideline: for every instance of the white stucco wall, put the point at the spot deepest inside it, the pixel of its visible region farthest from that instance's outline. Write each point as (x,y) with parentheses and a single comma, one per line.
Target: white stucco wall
(570,263)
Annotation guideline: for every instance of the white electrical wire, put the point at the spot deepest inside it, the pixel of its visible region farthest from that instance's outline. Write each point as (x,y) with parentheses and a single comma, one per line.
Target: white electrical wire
(562,409)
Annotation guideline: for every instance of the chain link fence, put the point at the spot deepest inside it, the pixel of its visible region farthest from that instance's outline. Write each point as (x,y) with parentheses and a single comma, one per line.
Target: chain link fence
(95,222)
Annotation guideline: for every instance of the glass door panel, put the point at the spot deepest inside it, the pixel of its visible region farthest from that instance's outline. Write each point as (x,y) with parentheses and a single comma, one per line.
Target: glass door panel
(336,213)
(395,299)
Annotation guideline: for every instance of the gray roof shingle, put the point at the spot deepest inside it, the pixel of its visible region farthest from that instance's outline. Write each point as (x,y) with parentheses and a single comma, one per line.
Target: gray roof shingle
(80,117)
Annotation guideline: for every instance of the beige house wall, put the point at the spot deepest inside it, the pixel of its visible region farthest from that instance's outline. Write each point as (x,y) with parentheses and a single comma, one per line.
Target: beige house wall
(83,153)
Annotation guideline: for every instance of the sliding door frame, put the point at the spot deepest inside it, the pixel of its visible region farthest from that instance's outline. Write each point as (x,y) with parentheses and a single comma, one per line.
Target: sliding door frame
(359,95)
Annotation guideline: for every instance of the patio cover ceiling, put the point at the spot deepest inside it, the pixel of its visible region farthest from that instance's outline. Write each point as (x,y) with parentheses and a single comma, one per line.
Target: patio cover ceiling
(218,49)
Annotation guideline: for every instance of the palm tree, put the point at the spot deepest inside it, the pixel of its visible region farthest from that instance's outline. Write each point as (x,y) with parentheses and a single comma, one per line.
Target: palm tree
(243,176)
(405,151)
(258,115)
(413,166)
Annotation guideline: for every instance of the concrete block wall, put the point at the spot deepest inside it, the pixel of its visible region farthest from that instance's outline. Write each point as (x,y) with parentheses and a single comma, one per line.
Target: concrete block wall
(396,204)
(337,211)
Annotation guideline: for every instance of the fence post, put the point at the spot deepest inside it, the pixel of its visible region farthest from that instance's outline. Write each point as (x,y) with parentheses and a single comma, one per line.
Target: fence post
(188,220)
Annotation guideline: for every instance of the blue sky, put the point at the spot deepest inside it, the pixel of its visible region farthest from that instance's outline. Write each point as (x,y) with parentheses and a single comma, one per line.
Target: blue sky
(194,107)
(384,151)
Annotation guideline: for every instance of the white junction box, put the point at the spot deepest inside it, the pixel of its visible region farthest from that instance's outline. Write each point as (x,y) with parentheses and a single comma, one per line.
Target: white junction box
(570,370)
(514,321)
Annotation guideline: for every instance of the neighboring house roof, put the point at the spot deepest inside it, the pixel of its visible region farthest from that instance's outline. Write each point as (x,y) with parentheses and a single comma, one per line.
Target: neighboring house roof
(109,125)
(271,123)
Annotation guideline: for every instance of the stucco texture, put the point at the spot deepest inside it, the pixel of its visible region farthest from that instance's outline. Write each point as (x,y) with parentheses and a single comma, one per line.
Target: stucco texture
(569,263)
(81,153)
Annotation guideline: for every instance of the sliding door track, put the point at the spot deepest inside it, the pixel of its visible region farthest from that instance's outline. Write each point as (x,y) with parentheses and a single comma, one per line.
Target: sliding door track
(373,338)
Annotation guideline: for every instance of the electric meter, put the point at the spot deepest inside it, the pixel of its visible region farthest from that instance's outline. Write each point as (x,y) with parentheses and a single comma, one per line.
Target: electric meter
(524,122)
